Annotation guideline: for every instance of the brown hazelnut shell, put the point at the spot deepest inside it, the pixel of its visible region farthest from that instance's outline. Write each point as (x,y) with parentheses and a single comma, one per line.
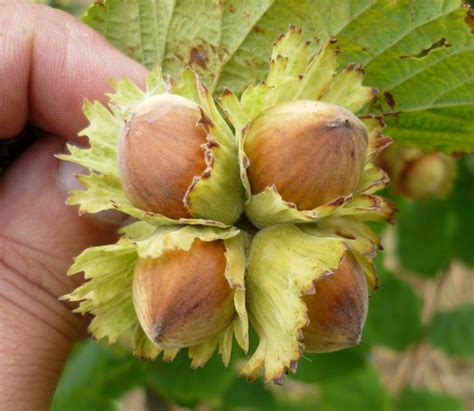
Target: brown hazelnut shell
(160,152)
(183,298)
(338,309)
(312,152)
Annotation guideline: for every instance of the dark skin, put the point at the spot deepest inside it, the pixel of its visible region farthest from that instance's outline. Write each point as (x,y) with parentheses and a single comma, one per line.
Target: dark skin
(49,63)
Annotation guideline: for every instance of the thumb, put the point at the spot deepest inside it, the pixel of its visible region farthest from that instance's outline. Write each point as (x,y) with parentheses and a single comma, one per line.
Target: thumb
(39,236)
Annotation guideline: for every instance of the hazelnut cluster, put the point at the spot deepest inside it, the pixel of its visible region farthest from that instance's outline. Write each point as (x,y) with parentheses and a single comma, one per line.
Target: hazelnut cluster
(252,209)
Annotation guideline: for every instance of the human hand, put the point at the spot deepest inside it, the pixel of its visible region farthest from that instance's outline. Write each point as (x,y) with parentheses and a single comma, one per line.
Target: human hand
(49,63)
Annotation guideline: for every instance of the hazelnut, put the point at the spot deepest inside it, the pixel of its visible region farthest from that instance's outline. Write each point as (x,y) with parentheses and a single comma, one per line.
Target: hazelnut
(160,153)
(183,298)
(312,152)
(338,309)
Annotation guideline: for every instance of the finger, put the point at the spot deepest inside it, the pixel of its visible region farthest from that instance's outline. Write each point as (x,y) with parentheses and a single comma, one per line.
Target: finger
(50,62)
(39,237)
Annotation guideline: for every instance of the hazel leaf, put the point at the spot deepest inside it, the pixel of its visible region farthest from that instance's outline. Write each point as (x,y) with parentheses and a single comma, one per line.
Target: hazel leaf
(96,377)
(427,400)
(453,331)
(420,62)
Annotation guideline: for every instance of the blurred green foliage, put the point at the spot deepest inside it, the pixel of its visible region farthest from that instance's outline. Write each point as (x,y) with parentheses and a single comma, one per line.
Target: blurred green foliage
(453,331)
(425,400)
(362,390)
(432,232)
(95,376)
(206,384)
(394,318)
(74,7)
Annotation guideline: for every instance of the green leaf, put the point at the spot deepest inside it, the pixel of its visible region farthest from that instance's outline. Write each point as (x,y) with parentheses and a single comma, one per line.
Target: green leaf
(453,331)
(242,395)
(74,7)
(359,391)
(179,383)
(420,61)
(425,235)
(394,317)
(463,199)
(444,129)
(138,28)
(95,377)
(448,221)
(321,20)
(172,34)
(323,367)
(425,400)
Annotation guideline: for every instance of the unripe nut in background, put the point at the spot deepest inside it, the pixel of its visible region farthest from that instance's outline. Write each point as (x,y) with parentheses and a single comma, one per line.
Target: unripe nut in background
(430,175)
(160,153)
(312,152)
(183,297)
(338,309)
(416,174)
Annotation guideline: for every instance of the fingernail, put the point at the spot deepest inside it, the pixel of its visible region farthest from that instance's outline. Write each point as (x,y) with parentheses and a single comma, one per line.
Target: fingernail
(67,176)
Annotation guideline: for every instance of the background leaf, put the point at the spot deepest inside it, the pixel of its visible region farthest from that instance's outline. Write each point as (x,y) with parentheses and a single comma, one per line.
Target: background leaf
(172,34)
(420,61)
(431,232)
(96,376)
(453,331)
(359,391)
(138,28)
(463,204)
(314,368)
(244,396)
(425,235)
(74,7)
(177,382)
(394,317)
(320,20)
(425,400)
(420,64)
